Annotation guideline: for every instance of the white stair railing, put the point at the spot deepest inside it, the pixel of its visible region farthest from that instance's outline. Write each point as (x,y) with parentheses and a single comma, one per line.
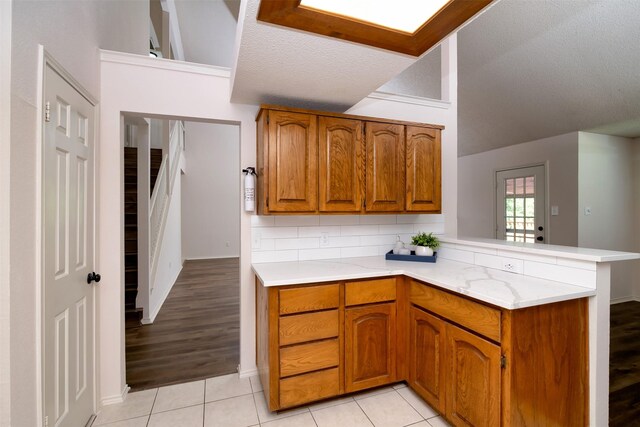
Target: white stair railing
(161,196)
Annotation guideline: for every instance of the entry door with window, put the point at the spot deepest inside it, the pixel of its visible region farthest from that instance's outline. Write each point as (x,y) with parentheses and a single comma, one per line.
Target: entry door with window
(68,321)
(520,210)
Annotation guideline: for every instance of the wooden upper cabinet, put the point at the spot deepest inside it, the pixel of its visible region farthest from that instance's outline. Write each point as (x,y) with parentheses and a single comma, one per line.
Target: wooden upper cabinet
(341,164)
(385,167)
(292,162)
(423,169)
(311,162)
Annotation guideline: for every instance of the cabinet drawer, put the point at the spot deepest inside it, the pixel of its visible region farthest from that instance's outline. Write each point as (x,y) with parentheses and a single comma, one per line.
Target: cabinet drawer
(309,298)
(309,387)
(475,316)
(308,327)
(368,291)
(310,357)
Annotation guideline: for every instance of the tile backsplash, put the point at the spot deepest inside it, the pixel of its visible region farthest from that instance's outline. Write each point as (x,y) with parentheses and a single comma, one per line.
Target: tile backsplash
(307,237)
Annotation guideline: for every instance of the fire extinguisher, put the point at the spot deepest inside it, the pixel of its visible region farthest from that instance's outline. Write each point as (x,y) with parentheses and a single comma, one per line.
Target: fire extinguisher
(249,189)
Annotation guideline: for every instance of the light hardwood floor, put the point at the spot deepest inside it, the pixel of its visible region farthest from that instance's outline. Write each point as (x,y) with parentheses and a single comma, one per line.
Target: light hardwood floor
(196,334)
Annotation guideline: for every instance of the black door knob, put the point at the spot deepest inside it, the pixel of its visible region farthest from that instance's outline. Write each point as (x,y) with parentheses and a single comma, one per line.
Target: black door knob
(93,277)
(539,238)
(540,228)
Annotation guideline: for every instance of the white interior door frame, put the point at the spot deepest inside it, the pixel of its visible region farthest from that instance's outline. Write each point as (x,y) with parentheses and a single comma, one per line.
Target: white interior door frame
(46,60)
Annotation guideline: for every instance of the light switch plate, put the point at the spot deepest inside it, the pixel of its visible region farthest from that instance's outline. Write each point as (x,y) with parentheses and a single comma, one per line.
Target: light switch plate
(555,210)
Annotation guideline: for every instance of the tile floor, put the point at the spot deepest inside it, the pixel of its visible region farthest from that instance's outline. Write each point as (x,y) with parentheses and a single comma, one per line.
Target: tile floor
(230,401)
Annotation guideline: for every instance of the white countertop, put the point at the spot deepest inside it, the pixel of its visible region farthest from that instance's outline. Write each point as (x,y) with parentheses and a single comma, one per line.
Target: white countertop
(569,252)
(504,289)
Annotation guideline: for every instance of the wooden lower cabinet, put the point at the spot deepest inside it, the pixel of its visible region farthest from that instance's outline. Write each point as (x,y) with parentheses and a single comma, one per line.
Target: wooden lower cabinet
(427,358)
(306,388)
(370,346)
(476,364)
(454,371)
(472,379)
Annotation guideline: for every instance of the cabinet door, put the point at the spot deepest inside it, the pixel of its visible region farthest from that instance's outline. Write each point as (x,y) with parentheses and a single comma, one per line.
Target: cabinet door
(473,380)
(341,164)
(426,360)
(293,162)
(423,169)
(370,346)
(385,167)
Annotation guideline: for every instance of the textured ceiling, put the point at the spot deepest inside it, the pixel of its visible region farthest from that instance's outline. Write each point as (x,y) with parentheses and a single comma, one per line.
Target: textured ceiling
(284,66)
(530,69)
(423,78)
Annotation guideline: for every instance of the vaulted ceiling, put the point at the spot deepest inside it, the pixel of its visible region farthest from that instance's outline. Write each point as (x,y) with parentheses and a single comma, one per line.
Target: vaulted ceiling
(532,69)
(528,69)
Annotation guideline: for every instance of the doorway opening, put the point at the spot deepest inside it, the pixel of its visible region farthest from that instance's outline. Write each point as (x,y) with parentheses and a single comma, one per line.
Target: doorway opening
(182,236)
(520,204)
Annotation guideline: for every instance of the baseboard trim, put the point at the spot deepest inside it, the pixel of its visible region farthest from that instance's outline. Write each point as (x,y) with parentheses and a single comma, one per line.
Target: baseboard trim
(625,299)
(118,398)
(152,317)
(211,257)
(245,373)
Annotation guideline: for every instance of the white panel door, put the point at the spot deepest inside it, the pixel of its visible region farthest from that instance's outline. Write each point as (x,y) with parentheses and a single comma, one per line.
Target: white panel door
(68,321)
(520,204)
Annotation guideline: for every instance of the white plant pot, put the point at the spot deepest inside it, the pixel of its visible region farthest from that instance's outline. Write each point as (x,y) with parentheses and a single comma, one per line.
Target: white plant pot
(424,251)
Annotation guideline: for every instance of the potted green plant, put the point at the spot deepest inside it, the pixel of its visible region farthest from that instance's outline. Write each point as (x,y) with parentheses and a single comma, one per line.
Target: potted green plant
(425,243)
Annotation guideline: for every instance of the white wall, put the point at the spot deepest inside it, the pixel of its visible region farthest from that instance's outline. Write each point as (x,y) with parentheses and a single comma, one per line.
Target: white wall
(636,168)
(476,183)
(5,164)
(609,186)
(420,79)
(129,83)
(72,32)
(170,257)
(155,130)
(211,191)
(441,113)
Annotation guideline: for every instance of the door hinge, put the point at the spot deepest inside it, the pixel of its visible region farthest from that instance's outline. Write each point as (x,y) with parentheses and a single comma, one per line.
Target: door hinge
(503,361)
(47,112)
(46,418)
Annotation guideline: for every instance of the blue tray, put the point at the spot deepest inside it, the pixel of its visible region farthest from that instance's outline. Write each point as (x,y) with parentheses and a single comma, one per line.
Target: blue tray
(413,257)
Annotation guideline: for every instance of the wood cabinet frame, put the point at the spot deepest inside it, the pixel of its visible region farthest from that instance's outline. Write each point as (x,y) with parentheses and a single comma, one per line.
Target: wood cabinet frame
(347,169)
(537,362)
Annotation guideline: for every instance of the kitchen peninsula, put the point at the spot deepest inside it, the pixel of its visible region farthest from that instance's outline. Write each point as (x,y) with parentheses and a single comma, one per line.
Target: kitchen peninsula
(494,333)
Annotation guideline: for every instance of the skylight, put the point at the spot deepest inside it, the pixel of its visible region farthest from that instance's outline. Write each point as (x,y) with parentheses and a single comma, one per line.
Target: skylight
(402,15)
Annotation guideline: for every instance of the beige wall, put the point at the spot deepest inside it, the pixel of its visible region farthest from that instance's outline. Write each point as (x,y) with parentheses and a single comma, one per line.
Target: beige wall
(476,181)
(608,176)
(72,32)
